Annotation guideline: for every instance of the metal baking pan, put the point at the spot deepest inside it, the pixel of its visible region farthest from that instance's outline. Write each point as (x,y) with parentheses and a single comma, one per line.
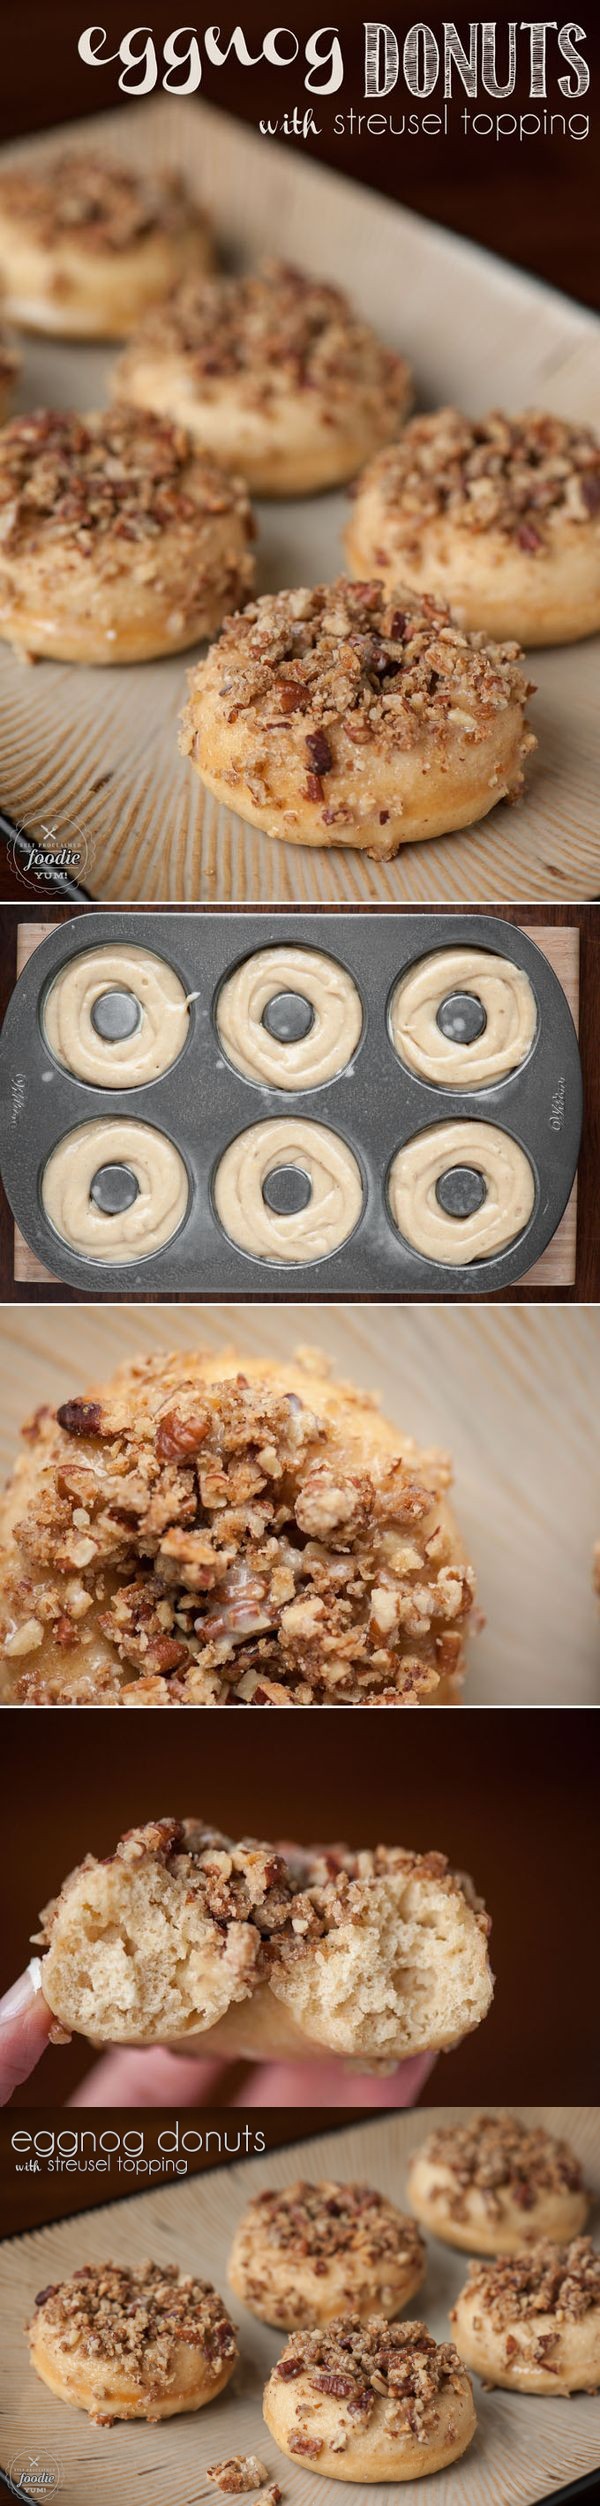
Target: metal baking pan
(375,1105)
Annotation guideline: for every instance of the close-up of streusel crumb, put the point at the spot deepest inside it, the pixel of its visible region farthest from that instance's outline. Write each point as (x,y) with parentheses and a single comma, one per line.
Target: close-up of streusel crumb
(238,2473)
(104,485)
(495,2151)
(93,201)
(274,330)
(545,2279)
(225,1541)
(360,2364)
(498,473)
(384,671)
(136,2318)
(322,2221)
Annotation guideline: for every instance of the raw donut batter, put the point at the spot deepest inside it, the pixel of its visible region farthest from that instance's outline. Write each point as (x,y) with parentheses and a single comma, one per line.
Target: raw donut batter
(152,1217)
(506,998)
(301,1235)
(119,1060)
(307,1059)
(418,1168)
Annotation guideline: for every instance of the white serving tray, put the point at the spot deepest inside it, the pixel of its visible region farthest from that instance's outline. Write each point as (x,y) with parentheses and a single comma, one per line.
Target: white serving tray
(523,2449)
(94,753)
(512,1392)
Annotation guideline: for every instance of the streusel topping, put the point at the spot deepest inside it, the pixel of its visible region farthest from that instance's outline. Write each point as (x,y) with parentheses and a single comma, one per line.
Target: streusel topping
(94,202)
(137,2317)
(544,2279)
(237,2473)
(288,1899)
(350,662)
(104,484)
(495,2153)
(275,329)
(362,2364)
(513,475)
(322,2221)
(234,1547)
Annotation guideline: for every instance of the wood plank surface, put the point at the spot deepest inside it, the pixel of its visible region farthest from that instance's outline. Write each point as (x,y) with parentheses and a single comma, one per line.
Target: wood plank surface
(524,2447)
(511,1392)
(556,1269)
(94,753)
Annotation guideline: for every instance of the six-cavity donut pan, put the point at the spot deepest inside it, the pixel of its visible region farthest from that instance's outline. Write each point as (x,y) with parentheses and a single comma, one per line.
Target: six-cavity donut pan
(374,1105)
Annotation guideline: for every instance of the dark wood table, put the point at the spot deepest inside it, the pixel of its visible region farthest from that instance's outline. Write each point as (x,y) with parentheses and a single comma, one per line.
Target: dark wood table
(586,1286)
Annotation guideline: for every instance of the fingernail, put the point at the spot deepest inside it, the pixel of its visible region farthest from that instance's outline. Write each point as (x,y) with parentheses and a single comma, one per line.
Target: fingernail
(21,1994)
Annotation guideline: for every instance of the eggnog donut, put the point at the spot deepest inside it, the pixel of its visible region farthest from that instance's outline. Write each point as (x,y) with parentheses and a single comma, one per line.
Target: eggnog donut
(499,516)
(318,1026)
(117,540)
(182,1935)
(347,715)
(274,373)
(132,2341)
(494,2183)
(322,1207)
(87,243)
(139,1004)
(115,1190)
(311,2251)
(532,2321)
(499,1196)
(449,1056)
(370,2401)
(335,1575)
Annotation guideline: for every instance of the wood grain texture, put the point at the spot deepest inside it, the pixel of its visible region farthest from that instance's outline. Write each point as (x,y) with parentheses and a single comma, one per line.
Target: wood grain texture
(513,1393)
(557,1266)
(523,2448)
(476,331)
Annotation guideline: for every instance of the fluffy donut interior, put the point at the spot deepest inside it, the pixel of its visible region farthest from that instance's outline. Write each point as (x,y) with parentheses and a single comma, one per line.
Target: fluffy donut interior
(406,1968)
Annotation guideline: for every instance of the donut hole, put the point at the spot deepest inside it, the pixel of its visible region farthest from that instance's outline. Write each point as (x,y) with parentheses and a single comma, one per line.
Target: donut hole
(116,1014)
(287,1190)
(288,1017)
(461,1017)
(114,1188)
(461,1191)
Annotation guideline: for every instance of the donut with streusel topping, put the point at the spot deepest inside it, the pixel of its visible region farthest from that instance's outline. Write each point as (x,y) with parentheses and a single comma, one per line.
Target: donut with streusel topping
(311,2251)
(132,2341)
(87,242)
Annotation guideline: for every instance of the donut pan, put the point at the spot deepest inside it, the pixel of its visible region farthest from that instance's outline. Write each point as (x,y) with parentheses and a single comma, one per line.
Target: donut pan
(374,1106)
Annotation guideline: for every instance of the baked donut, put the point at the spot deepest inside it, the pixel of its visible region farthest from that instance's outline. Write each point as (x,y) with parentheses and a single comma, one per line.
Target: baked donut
(181,1936)
(499,516)
(531,2321)
(315,1183)
(349,715)
(461,1191)
(115,1191)
(87,242)
(289,1017)
(116,1016)
(132,2341)
(370,2401)
(436,1035)
(349,1586)
(274,373)
(311,2251)
(118,541)
(494,2183)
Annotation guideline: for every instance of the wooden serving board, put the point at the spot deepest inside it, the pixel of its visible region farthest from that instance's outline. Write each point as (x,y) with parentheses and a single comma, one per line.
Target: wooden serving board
(524,2447)
(94,753)
(557,1267)
(511,1392)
